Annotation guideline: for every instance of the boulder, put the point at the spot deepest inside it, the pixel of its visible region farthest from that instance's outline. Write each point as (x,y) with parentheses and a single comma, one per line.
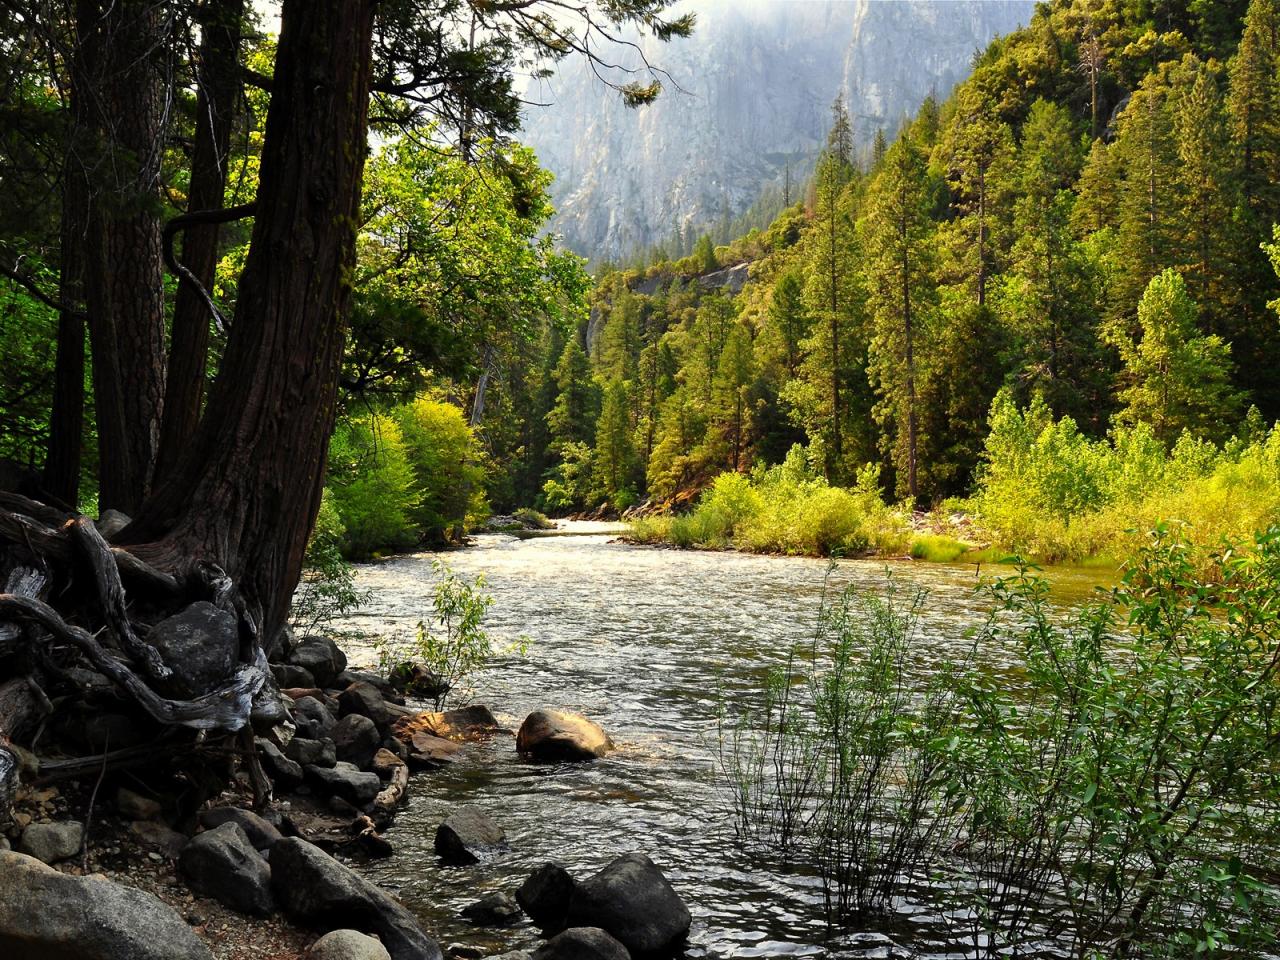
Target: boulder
(221,863)
(496,910)
(313,717)
(347,677)
(261,834)
(356,739)
(545,896)
(201,645)
(284,773)
(634,902)
(47,915)
(582,943)
(51,842)
(469,835)
(134,806)
(312,886)
(320,657)
(346,782)
(470,723)
(364,699)
(287,675)
(561,735)
(311,753)
(158,836)
(347,945)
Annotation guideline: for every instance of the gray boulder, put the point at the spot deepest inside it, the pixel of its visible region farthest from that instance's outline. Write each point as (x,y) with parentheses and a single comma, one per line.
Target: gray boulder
(51,842)
(289,676)
(634,902)
(311,753)
(311,886)
(260,833)
(365,699)
(314,719)
(582,943)
(320,657)
(221,863)
(201,645)
(545,896)
(347,945)
(346,782)
(284,773)
(356,740)
(469,835)
(47,915)
(561,735)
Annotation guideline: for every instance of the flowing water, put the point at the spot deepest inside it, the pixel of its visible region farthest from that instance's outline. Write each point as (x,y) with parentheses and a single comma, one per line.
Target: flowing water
(649,643)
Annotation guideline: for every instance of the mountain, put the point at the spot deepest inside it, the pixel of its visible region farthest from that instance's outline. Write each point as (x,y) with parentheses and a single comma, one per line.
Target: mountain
(750,95)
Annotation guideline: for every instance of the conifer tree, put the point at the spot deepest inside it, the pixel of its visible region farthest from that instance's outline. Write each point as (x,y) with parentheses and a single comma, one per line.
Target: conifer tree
(900,288)
(1175,379)
(733,383)
(572,418)
(614,453)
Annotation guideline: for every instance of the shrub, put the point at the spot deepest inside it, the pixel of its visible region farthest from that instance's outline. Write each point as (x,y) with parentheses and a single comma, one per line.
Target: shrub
(328,586)
(372,485)
(448,480)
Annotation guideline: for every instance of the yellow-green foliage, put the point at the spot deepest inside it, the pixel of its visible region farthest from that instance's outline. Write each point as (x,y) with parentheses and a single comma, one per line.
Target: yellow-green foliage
(785,509)
(371,483)
(1051,493)
(448,479)
(936,548)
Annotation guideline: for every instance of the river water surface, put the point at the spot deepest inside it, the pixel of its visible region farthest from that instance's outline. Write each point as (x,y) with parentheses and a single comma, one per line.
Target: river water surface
(648,642)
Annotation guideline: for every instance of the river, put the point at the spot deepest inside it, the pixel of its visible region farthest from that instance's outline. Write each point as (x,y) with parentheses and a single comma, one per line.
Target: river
(646,642)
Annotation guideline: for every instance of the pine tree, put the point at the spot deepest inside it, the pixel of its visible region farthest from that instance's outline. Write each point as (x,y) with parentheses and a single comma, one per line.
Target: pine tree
(620,339)
(1255,108)
(840,136)
(901,291)
(787,319)
(733,383)
(572,418)
(614,459)
(1174,379)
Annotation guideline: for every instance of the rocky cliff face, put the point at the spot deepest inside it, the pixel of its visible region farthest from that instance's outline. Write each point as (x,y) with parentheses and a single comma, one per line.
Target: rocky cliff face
(758,78)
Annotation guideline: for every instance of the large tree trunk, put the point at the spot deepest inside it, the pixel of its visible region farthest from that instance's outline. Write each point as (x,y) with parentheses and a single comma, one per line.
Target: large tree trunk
(219,87)
(246,491)
(122,85)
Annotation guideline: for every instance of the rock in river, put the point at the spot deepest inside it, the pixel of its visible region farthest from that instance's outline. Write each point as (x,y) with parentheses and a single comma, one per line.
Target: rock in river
(545,896)
(634,902)
(496,910)
(560,735)
(310,885)
(469,835)
(45,914)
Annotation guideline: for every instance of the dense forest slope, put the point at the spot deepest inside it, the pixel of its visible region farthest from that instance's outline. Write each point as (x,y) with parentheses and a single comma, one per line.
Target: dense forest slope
(748,96)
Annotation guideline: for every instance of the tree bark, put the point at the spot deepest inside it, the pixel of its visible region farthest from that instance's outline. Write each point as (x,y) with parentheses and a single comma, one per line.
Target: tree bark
(122,83)
(247,489)
(219,87)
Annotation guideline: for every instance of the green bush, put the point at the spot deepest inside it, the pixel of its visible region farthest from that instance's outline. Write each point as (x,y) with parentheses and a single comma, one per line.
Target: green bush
(328,586)
(448,480)
(372,485)
(1048,492)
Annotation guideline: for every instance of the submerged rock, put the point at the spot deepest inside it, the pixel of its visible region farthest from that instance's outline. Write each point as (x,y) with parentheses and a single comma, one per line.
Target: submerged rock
(634,902)
(45,914)
(469,835)
(496,910)
(561,735)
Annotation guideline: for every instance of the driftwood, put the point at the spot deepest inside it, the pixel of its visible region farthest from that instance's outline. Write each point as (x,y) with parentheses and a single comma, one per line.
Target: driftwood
(392,795)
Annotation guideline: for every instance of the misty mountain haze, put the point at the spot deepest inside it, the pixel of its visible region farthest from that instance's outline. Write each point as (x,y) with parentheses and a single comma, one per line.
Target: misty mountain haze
(750,95)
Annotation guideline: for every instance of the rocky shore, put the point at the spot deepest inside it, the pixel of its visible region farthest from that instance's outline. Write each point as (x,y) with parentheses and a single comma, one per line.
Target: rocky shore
(123,867)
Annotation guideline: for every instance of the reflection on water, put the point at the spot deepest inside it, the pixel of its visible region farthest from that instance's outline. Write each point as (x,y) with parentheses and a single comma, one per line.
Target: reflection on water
(646,642)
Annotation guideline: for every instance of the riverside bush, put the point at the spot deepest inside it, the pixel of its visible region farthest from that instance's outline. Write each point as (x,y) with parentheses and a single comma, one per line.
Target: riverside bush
(1048,491)
(1110,789)
(785,509)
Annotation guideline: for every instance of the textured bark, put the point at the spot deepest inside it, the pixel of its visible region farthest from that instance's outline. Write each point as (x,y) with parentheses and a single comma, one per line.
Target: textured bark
(219,90)
(245,493)
(122,82)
